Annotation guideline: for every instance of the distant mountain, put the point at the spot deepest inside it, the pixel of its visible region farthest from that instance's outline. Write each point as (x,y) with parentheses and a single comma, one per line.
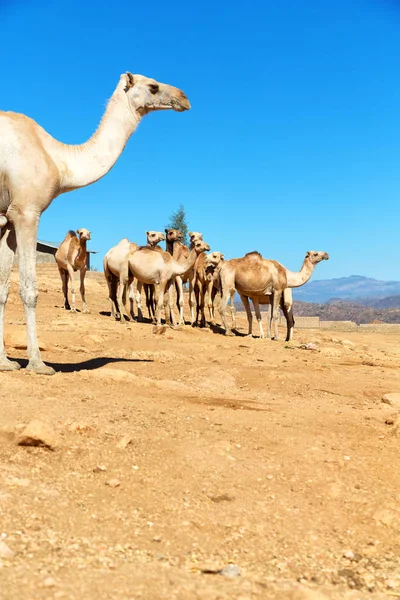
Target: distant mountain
(343,310)
(389,302)
(355,288)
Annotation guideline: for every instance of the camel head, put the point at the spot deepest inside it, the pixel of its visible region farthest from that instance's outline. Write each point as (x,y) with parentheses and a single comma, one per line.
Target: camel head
(194,236)
(145,95)
(200,246)
(173,235)
(84,234)
(153,237)
(316,257)
(212,263)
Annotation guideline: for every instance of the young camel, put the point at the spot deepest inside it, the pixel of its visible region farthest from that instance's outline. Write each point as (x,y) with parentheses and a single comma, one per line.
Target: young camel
(113,262)
(254,276)
(35,169)
(70,257)
(160,269)
(206,282)
(180,252)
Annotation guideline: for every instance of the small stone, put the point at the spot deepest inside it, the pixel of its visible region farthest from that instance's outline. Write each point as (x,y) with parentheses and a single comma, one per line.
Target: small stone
(230,571)
(349,554)
(114,483)
(5,552)
(160,330)
(99,469)
(49,582)
(391,584)
(124,442)
(393,399)
(38,433)
(310,346)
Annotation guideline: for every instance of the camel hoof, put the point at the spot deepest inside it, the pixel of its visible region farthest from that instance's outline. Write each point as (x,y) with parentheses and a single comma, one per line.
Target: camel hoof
(40,368)
(73,310)
(9,365)
(86,311)
(229,333)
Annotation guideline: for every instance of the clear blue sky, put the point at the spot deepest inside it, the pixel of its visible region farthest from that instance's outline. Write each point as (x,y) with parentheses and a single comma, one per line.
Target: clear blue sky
(292,142)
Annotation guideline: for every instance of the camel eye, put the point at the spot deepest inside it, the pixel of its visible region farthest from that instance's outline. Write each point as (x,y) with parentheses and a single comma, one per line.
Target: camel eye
(154,88)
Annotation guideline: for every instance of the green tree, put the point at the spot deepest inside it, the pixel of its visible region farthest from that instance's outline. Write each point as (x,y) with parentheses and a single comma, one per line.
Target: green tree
(178,221)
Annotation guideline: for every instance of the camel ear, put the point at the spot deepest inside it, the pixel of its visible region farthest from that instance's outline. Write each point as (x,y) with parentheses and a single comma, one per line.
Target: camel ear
(147,233)
(308,254)
(78,231)
(190,233)
(222,256)
(129,81)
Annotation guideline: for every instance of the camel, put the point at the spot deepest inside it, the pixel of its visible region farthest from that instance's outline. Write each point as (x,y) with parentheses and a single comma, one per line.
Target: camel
(35,169)
(159,268)
(205,280)
(254,276)
(113,262)
(71,256)
(180,252)
(153,239)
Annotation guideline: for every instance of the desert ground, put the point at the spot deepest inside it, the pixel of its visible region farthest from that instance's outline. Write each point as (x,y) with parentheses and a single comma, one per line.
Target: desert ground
(187,464)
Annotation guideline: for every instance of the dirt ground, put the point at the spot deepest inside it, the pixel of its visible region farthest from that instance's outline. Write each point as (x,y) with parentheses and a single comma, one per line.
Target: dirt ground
(177,455)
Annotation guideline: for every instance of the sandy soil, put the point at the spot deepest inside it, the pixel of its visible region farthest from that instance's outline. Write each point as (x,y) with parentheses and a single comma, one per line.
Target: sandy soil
(181,453)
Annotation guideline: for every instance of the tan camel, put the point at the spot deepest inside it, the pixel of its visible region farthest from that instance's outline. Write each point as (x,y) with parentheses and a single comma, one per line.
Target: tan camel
(180,252)
(113,262)
(206,282)
(254,276)
(153,239)
(35,169)
(71,256)
(159,268)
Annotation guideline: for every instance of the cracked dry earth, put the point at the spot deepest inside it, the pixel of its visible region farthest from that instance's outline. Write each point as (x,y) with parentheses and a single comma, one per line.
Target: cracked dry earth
(179,454)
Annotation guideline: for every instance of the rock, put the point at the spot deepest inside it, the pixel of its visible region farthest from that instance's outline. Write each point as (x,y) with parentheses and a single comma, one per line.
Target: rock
(124,442)
(159,329)
(113,483)
(38,433)
(99,469)
(49,582)
(17,340)
(310,346)
(347,343)
(393,399)
(230,571)
(5,552)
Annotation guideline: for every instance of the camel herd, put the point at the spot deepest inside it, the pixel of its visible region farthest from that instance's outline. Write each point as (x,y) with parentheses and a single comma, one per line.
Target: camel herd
(157,271)
(35,168)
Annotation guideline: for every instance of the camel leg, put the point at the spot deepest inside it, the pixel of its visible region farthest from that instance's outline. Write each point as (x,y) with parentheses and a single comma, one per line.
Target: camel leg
(82,290)
(8,245)
(246,304)
(232,308)
(64,281)
(112,283)
(160,300)
(222,311)
(258,317)
(26,227)
(275,301)
(196,294)
(288,314)
(210,302)
(131,296)
(169,305)
(179,299)
(192,302)
(139,287)
(121,298)
(71,275)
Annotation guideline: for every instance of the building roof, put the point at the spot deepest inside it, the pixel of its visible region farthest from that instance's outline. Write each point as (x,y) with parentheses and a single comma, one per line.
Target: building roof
(55,245)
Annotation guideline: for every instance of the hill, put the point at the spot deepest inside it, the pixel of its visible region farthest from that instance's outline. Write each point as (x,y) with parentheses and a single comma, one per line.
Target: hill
(355,287)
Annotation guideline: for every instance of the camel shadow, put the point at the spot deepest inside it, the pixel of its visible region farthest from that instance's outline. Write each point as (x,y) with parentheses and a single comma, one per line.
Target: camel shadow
(85,365)
(218,329)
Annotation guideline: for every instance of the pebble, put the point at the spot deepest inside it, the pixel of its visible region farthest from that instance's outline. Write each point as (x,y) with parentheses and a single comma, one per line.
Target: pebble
(113,483)
(230,571)
(38,433)
(393,399)
(310,346)
(5,552)
(124,442)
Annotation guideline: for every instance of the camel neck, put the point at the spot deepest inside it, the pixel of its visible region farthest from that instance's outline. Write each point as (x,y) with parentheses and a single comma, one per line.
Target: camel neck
(82,165)
(188,263)
(299,278)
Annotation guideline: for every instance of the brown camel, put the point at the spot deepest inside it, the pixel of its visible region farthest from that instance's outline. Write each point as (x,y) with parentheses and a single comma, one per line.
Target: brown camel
(153,239)
(206,282)
(71,256)
(159,268)
(180,252)
(35,169)
(254,276)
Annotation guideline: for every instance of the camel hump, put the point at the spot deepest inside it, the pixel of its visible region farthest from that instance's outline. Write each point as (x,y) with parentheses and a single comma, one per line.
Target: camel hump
(70,234)
(253,254)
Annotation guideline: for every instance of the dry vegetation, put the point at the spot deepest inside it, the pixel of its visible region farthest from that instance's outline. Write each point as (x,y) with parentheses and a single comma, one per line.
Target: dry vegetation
(178,454)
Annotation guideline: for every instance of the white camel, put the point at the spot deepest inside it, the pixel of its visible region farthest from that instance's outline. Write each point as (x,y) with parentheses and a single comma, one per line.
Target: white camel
(35,169)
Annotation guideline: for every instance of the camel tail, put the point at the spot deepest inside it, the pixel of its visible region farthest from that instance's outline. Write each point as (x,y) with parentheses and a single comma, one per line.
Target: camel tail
(5,198)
